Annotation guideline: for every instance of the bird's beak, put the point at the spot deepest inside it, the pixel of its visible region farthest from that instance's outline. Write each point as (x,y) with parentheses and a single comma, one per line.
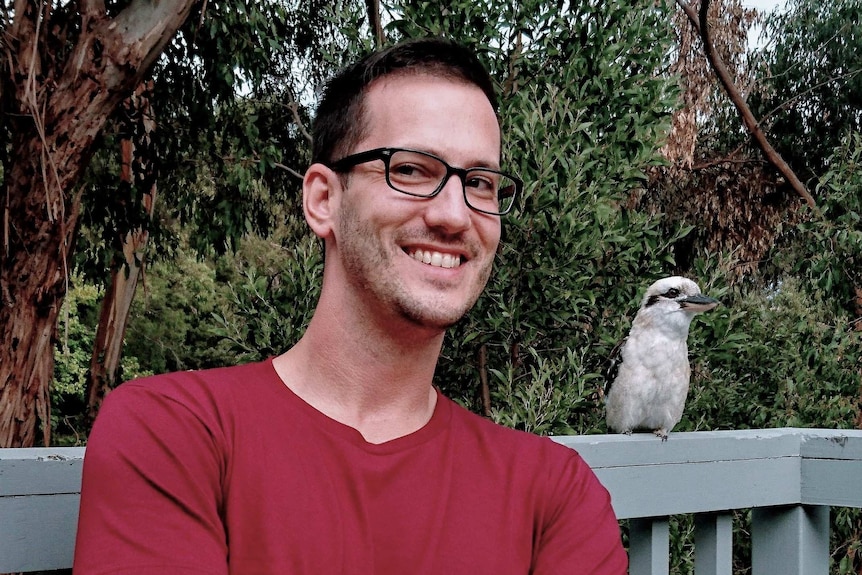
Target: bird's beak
(698,303)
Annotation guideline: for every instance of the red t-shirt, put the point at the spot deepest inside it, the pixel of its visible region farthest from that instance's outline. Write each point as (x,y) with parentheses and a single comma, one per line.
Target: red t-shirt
(228,471)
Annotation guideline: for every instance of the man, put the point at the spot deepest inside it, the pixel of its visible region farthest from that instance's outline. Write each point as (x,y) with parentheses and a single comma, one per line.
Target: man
(339,456)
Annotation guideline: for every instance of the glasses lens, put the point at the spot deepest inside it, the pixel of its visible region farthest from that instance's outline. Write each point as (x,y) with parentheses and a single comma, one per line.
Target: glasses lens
(490,191)
(415,174)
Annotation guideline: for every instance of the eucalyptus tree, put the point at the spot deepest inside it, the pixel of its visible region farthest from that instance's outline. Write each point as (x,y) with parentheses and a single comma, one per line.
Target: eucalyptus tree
(66,69)
(231,143)
(716,179)
(810,98)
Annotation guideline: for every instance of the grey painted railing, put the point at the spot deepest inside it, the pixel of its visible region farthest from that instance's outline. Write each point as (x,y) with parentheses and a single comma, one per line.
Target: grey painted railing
(790,477)
(39,493)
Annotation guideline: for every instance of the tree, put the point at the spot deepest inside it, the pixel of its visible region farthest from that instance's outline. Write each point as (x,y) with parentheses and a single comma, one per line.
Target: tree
(718,179)
(226,145)
(811,98)
(700,20)
(136,171)
(65,72)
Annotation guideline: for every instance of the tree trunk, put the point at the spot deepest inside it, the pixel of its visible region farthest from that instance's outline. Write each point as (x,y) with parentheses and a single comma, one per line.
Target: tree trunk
(32,285)
(113,319)
(136,173)
(58,108)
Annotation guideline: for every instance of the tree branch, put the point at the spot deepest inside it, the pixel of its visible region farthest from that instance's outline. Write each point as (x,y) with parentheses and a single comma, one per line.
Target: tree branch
(374,22)
(294,110)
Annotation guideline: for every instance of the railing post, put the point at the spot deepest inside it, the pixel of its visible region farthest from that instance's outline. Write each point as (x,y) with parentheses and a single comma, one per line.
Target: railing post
(790,540)
(713,544)
(649,546)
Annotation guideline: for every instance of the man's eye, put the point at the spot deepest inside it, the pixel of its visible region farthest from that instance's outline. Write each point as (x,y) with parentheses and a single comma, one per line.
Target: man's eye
(409,171)
(481,184)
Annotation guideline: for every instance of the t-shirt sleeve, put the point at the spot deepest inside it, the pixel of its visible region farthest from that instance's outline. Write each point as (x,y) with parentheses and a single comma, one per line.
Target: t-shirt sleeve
(151,496)
(580,534)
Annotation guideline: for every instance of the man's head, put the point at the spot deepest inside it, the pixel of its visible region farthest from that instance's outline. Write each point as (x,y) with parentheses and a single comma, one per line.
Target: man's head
(409,236)
(341,121)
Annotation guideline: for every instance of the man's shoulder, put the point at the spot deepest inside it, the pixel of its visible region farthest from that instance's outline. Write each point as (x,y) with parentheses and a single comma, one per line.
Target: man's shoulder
(194,387)
(515,441)
(180,404)
(211,377)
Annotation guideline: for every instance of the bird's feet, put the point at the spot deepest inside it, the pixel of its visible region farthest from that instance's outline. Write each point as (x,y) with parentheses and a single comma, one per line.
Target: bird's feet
(661,433)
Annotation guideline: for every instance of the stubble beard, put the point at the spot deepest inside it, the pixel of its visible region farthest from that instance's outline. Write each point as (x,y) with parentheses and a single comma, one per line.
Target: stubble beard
(370,269)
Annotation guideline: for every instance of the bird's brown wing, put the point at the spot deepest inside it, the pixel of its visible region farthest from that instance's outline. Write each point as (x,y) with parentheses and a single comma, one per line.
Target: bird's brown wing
(615,360)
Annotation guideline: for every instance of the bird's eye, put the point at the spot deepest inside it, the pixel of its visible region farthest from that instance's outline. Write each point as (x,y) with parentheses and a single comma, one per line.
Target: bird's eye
(671,293)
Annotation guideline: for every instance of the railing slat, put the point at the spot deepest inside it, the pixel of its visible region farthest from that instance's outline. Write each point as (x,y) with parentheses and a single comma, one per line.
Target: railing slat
(831,482)
(701,487)
(713,544)
(790,540)
(37,532)
(39,490)
(649,546)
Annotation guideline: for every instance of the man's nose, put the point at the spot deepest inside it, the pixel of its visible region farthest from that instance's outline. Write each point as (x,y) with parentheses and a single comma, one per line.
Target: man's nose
(449,209)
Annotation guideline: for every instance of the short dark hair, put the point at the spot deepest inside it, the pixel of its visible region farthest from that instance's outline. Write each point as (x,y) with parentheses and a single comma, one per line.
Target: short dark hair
(340,122)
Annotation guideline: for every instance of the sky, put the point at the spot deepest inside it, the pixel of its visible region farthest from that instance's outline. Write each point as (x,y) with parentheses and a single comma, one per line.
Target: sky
(763,5)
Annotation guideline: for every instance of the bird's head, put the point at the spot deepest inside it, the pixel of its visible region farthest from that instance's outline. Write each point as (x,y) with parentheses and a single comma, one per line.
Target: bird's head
(675,300)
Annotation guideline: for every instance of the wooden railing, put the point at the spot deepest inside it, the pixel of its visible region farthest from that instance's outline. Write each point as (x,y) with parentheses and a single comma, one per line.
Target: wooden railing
(39,493)
(788,477)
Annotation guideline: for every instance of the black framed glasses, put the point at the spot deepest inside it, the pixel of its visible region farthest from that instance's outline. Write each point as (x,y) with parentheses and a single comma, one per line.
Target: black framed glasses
(423,175)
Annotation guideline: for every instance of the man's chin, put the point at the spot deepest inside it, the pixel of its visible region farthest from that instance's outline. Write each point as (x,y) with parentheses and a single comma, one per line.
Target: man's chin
(440,318)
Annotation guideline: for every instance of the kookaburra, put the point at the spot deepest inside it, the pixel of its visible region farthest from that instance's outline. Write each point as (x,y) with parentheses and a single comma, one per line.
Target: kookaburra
(647,383)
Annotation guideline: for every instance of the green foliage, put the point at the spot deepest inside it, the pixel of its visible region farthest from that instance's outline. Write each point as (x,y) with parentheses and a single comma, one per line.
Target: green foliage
(243,115)
(230,103)
(76,334)
(541,400)
(171,326)
(273,291)
(811,83)
(827,251)
(811,377)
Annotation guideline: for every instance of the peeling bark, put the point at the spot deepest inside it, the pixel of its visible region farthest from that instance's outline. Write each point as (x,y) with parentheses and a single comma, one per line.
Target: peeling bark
(113,319)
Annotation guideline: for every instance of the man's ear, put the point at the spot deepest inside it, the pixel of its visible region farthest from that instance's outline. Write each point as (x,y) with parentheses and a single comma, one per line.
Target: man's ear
(321,189)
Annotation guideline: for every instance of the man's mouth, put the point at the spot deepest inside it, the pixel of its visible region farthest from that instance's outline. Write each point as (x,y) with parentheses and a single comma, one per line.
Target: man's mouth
(437,259)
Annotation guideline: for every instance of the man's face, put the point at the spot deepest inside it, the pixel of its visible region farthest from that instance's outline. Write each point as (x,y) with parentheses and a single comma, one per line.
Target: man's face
(423,260)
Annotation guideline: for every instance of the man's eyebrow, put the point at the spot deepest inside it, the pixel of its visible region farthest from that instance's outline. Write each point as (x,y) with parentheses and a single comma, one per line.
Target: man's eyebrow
(476,163)
(472,163)
(490,166)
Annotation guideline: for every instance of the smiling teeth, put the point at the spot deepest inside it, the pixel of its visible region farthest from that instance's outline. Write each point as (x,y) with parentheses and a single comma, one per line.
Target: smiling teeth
(436,259)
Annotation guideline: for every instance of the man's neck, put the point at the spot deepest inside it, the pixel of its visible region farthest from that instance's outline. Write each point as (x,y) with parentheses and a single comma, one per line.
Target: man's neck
(379,383)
